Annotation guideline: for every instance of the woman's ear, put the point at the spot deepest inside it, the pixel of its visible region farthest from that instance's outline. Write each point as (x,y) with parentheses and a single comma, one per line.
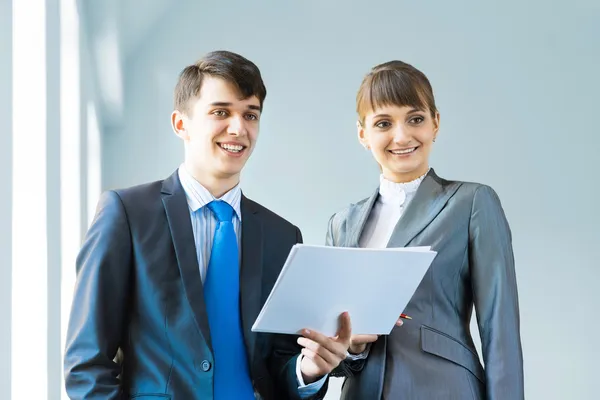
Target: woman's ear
(362,137)
(436,125)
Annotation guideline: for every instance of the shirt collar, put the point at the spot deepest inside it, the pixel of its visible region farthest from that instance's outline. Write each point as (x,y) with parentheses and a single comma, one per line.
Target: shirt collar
(198,196)
(392,192)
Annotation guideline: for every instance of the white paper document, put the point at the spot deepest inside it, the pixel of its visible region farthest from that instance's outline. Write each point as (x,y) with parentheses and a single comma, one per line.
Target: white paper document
(318,283)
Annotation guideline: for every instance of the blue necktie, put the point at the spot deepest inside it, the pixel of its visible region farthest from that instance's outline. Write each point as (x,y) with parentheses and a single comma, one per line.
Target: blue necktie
(222,294)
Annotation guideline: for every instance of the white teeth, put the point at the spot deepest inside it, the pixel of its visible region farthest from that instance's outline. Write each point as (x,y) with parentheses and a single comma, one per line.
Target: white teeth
(404,151)
(235,148)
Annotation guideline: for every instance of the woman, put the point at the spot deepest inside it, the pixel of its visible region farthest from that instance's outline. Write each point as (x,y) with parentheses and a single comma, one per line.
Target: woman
(431,356)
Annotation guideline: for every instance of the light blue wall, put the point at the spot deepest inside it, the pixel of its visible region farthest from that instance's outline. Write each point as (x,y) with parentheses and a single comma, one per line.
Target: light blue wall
(516,84)
(53,198)
(6,198)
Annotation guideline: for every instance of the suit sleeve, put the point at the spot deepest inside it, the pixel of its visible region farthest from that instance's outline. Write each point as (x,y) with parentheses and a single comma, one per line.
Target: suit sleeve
(283,365)
(492,269)
(98,313)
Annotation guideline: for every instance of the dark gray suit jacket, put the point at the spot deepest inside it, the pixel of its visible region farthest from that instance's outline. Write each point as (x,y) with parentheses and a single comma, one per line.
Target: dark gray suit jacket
(433,356)
(139,291)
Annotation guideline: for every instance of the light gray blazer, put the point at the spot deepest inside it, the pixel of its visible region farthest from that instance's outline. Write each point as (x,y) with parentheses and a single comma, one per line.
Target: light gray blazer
(433,356)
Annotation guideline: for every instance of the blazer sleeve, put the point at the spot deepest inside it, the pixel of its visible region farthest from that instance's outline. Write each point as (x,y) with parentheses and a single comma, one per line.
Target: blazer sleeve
(98,312)
(492,269)
(283,363)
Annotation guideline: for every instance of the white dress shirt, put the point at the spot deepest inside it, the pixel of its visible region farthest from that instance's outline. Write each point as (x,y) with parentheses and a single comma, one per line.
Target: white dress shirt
(388,208)
(390,205)
(203,227)
(203,220)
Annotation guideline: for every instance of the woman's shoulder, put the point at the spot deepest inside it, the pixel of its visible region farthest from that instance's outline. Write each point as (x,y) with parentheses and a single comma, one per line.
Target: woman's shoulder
(469,188)
(350,209)
(477,192)
(350,215)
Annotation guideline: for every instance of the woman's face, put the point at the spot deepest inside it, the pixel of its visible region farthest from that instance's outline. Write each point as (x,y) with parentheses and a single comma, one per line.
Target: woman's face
(400,139)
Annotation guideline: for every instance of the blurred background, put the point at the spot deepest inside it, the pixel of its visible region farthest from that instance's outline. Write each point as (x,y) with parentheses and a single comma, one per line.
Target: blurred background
(85,99)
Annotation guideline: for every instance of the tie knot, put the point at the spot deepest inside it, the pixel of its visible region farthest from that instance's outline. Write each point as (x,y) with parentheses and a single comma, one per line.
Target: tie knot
(222,210)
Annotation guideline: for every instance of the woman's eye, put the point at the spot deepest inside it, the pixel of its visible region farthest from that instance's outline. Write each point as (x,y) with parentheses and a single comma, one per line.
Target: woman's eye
(382,124)
(417,120)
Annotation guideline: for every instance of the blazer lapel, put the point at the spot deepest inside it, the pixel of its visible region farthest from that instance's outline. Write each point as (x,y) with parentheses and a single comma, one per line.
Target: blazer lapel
(251,271)
(358,218)
(430,199)
(178,217)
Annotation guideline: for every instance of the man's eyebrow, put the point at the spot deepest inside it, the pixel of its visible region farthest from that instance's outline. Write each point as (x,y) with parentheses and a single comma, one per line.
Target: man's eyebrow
(227,104)
(221,104)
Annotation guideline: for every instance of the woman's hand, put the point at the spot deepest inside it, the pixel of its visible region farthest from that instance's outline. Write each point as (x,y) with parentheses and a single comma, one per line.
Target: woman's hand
(358,343)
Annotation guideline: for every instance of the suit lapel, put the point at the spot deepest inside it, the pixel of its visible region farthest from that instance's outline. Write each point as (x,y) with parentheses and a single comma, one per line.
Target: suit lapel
(251,271)
(430,199)
(358,218)
(178,217)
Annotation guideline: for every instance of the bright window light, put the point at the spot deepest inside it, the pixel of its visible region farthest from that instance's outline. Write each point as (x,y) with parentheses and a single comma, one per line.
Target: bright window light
(94,162)
(70,157)
(29,348)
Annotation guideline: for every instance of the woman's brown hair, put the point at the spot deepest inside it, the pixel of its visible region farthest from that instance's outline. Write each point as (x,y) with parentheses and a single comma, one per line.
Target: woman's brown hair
(394,83)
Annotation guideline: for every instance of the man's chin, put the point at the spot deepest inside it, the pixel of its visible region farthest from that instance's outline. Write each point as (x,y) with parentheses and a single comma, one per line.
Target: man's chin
(228,173)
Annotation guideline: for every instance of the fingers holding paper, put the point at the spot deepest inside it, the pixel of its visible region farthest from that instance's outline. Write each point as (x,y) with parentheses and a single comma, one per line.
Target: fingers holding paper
(358,343)
(321,353)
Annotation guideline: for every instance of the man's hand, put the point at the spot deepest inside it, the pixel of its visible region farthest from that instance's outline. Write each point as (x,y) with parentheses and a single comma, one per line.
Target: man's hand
(358,343)
(322,354)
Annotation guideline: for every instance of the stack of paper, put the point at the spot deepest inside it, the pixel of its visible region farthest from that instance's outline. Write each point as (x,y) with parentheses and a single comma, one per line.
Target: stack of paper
(318,283)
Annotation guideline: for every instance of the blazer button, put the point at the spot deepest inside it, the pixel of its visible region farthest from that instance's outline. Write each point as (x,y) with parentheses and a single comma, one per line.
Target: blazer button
(205,365)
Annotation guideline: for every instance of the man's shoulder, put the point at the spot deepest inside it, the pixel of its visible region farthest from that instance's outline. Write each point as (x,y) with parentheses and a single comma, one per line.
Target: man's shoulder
(138,192)
(268,216)
(141,198)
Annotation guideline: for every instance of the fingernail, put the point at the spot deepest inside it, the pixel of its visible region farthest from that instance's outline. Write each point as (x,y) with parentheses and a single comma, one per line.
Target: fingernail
(307,332)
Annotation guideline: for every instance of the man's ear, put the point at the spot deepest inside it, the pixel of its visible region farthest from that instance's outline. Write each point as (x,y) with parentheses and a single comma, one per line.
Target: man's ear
(178,123)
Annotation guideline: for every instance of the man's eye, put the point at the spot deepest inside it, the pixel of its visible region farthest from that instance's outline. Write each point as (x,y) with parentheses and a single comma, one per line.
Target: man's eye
(251,117)
(220,113)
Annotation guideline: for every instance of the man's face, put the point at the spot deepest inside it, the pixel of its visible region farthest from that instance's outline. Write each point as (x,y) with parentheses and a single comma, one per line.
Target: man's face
(219,130)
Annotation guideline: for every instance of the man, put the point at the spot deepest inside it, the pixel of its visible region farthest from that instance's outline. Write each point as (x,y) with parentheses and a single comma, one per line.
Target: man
(172,274)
